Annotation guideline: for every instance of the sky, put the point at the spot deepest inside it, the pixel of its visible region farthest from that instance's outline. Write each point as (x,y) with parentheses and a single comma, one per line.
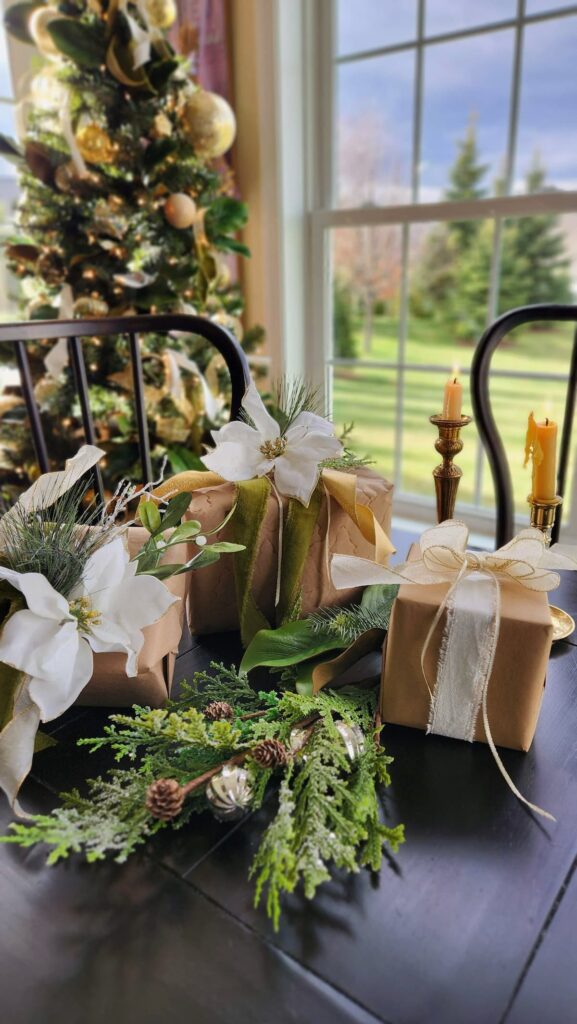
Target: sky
(470,77)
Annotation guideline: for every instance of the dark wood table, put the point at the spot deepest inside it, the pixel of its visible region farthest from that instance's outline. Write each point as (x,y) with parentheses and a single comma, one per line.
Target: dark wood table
(473,921)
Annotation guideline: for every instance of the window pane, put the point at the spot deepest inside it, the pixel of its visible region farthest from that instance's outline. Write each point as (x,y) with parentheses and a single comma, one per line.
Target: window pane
(367,267)
(449,274)
(374,111)
(367,399)
(7,127)
(453,15)
(539,6)
(369,24)
(423,397)
(546,155)
(466,102)
(5,76)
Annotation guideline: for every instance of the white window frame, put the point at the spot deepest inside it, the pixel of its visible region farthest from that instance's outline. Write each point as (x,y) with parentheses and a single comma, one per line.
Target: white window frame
(296,45)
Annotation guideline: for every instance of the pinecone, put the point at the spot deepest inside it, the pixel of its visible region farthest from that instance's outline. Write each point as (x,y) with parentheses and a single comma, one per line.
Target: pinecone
(164,799)
(270,754)
(217,710)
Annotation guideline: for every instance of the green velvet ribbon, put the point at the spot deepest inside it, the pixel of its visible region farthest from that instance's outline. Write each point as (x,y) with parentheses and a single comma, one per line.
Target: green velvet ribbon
(252,501)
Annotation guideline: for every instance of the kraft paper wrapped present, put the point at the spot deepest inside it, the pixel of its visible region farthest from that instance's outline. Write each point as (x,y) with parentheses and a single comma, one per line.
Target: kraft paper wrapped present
(110,686)
(213,605)
(469,636)
(517,679)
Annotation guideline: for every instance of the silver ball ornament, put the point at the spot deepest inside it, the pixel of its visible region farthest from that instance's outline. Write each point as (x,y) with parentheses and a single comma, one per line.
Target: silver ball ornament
(353,739)
(229,793)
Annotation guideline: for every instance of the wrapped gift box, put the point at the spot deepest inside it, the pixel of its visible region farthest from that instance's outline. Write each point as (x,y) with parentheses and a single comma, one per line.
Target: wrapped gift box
(517,679)
(110,686)
(212,594)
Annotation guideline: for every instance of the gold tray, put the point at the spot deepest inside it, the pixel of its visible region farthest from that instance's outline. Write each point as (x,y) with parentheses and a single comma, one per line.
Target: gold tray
(563,624)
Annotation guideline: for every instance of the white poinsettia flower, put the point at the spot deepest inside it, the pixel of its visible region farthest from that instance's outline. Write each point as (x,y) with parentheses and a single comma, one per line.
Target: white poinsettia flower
(243,451)
(52,640)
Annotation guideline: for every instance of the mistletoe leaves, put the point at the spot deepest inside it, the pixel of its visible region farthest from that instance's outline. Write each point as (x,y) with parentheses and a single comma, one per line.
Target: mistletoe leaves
(158,523)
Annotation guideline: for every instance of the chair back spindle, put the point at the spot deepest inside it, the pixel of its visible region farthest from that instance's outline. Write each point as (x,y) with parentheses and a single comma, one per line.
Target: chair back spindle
(18,334)
(482,411)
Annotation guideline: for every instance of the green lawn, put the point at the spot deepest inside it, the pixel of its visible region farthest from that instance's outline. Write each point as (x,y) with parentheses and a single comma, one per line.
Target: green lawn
(368,398)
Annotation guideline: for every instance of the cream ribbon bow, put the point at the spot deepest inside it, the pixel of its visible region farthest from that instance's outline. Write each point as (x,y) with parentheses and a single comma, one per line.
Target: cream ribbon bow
(473,615)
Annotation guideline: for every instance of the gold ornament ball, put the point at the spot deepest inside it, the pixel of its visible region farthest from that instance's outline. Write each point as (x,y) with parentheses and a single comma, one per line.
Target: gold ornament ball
(161,13)
(95,144)
(161,127)
(38,25)
(87,306)
(208,123)
(180,210)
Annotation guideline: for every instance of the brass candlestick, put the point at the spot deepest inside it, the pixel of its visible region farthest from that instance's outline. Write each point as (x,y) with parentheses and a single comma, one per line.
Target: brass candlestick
(543,518)
(447,475)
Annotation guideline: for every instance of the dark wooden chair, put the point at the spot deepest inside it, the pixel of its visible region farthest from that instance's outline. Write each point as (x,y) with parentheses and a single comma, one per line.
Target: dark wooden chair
(480,369)
(19,334)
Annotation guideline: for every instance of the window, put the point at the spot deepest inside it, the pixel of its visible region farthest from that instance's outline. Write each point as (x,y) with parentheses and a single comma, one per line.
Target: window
(448,196)
(8,179)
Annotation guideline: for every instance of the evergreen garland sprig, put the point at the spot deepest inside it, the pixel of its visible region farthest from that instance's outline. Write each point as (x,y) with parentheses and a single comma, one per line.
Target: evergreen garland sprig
(328,813)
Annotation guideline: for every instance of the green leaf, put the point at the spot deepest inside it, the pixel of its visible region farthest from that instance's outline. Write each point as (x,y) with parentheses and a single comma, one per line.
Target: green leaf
(225,546)
(10,150)
(289,645)
(378,595)
(150,516)
(159,72)
(181,459)
(83,43)
(206,557)
(17,20)
(156,152)
(224,243)
(164,572)
(175,510)
(184,532)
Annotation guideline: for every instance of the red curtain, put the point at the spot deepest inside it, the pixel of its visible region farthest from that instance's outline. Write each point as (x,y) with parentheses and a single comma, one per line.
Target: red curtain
(201,31)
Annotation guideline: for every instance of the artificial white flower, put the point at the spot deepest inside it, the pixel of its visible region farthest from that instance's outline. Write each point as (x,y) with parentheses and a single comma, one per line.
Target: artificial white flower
(52,641)
(244,451)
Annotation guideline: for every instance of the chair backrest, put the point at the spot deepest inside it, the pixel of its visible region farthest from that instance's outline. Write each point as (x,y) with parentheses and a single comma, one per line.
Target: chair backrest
(480,368)
(18,334)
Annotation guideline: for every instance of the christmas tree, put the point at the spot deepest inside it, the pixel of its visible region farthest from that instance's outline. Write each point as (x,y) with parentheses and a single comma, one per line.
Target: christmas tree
(126,206)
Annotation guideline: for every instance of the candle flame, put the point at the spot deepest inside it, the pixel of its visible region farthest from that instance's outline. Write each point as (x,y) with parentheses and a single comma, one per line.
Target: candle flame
(548,409)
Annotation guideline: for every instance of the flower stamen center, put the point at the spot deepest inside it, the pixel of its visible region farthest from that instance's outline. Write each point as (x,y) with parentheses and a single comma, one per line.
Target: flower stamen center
(272,449)
(86,616)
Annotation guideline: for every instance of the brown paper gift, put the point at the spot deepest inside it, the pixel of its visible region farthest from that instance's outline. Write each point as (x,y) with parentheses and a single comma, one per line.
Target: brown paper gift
(517,679)
(110,686)
(212,594)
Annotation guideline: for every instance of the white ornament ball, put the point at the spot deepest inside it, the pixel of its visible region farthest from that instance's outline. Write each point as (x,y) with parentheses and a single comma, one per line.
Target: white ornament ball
(180,210)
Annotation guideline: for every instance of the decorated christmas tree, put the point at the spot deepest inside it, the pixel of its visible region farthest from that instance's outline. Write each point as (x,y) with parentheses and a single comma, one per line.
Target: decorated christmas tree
(126,206)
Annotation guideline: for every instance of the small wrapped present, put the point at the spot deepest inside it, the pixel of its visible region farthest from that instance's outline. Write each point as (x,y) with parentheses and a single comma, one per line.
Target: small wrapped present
(517,677)
(349,512)
(469,637)
(110,685)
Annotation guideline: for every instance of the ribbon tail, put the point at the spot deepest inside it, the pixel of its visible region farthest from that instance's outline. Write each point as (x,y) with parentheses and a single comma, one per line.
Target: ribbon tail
(280,538)
(533,807)
(75,154)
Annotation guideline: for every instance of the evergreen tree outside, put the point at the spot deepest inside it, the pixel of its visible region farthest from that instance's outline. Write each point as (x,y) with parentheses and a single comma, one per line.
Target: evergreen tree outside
(343,326)
(453,274)
(465,183)
(126,207)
